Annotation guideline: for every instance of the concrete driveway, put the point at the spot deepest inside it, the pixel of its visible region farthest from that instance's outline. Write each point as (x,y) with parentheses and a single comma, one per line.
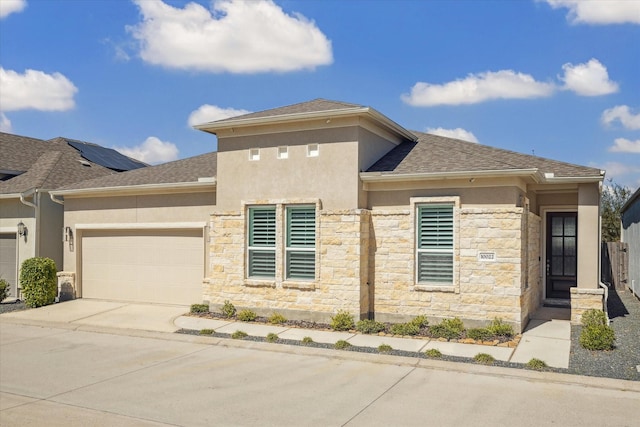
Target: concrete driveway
(74,377)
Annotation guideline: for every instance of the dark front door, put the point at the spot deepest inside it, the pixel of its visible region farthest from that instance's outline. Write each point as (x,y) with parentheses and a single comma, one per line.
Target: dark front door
(562,253)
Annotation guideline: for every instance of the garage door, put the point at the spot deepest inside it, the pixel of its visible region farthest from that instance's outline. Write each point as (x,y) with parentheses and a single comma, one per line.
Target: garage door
(8,262)
(158,266)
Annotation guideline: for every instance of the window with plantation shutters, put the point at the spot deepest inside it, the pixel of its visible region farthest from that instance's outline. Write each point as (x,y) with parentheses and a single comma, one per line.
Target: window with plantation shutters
(435,244)
(301,243)
(262,242)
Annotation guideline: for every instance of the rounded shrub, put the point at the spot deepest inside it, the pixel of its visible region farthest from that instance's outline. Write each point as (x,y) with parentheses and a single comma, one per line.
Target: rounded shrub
(228,309)
(597,337)
(501,329)
(342,321)
(448,328)
(479,334)
(405,329)
(367,326)
(4,289)
(38,281)
(594,317)
(536,364)
(277,319)
(247,316)
(433,352)
(199,308)
(484,358)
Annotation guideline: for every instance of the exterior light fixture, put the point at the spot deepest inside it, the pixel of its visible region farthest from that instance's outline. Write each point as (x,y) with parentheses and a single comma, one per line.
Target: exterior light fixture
(22,229)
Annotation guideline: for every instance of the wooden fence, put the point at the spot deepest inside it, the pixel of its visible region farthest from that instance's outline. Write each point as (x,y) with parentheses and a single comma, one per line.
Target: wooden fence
(615,264)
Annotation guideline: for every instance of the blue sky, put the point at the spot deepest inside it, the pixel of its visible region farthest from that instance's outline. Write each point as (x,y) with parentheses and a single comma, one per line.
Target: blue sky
(557,78)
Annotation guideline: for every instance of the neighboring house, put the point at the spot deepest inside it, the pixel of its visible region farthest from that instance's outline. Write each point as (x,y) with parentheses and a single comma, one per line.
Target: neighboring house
(325,206)
(631,236)
(30,222)
(140,235)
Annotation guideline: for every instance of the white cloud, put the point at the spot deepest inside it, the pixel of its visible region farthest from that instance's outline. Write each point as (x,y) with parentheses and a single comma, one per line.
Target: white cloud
(152,151)
(236,36)
(600,12)
(35,90)
(623,114)
(475,88)
(623,145)
(457,133)
(5,123)
(588,79)
(7,7)
(210,113)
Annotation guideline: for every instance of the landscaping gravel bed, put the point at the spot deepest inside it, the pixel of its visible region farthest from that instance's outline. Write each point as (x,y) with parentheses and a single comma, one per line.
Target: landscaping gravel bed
(6,307)
(623,362)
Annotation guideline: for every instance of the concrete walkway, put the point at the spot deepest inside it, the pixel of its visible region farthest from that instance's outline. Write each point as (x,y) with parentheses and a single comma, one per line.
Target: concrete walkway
(548,336)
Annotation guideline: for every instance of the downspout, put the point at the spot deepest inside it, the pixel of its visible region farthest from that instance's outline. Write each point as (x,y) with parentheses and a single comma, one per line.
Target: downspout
(26,194)
(600,283)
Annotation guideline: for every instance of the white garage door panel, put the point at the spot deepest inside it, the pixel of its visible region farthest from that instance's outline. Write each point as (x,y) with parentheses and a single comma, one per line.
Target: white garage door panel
(143,266)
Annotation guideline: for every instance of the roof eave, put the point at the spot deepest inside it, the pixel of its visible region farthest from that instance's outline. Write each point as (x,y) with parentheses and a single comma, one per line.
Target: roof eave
(213,127)
(534,174)
(138,189)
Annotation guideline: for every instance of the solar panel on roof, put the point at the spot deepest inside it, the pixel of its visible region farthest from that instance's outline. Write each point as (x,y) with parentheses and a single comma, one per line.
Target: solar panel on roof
(107,157)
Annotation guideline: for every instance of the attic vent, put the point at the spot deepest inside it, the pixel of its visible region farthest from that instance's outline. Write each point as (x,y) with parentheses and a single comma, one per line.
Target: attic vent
(85,163)
(254,154)
(313,150)
(486,256)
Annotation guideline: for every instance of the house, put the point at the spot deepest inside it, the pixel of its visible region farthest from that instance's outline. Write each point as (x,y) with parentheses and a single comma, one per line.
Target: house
(140,235)
(630,212)
(30,221)
(324,206)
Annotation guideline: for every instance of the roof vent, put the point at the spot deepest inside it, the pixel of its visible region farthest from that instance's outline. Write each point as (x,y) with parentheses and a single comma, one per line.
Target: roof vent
(85,163)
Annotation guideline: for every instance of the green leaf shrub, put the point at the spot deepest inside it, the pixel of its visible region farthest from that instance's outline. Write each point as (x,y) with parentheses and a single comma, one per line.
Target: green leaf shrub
(228,309)
(501,329)
(206,331)
(4,289)
(342,321)
(598,337)
(38,281)
(384,348)
(479,334)
(484,358)
(307,340)
(271,337)
(405,329)
(594,317)
(277,319)
(367,326)
(341,345)
(238,335)
(536,364)
(247,316)
(433,352)
(199,308)
(448,328)
(420,321)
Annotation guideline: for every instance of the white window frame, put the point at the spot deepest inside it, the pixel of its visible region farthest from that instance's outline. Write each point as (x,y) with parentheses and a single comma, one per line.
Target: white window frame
(289,249)
(251,249)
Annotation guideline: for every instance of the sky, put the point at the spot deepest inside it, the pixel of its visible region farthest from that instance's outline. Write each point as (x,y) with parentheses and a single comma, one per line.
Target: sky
(555,78)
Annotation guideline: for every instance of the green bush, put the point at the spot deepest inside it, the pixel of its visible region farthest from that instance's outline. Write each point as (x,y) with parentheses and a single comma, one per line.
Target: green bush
(277,319)
(38,281)
(247,316)
(448,328)
(4,289)
(479,334)
(307,340)
(536,364)
(594,317)
(484,358)
(199,308)
(501,329)
(420,321)
(384,348)
(341,345)
(228,309)
(369,326)
(206,331)
(238,335)
(405,329)
(598,337)
(342,321)
(271,337)
(433,352)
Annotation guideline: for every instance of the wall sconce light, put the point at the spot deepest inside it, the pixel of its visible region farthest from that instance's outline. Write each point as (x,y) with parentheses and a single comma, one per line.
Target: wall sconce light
(68,234)
(22,229)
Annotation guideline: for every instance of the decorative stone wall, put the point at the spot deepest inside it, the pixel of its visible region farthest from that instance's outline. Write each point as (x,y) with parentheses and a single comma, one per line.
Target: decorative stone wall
(583,300)
(341,258)
(532,292)
(483,290)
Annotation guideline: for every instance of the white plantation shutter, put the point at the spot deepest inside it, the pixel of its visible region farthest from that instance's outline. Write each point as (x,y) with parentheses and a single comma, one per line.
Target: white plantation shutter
(262,242)
(301,242)
(435,244)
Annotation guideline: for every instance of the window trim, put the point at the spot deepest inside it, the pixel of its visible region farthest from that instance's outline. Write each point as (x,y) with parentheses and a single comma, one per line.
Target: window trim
(261,248)
(288,249)
(454,202)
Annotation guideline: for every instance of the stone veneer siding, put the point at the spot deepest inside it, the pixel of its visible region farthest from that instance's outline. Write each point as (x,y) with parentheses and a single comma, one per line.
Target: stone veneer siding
(341,256)
(532,293)
(583,300)
(482,290)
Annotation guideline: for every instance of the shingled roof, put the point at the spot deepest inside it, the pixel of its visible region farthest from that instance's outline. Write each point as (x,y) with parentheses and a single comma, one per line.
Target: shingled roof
(432,154)
(179,171)
(28,163)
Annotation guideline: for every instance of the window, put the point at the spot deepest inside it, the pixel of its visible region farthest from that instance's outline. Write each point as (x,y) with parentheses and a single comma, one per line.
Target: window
(313,150)
(254,154)
(262,242)
(301,243)
(435,244)
(283,152)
